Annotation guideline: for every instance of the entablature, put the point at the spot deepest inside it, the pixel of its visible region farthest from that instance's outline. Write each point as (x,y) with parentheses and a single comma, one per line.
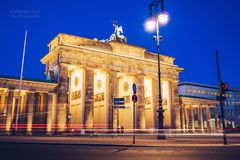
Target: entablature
(28,85)
(118,49)
(197,101)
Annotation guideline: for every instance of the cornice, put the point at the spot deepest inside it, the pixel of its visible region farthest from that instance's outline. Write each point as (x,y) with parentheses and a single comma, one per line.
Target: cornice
(27,85)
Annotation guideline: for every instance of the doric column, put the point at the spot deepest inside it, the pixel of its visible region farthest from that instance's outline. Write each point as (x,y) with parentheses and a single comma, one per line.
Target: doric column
(186,115)
(192,118)
(183,125)
(22,111)
(89,93)
(177,117)
(216,117)
(174,97)
(112,92)
(9,110)
(208,118)
(2,112)
(2,103)
(61,99)
(49,113)
(200,117)
(140,107)
(43,115)
(30,105)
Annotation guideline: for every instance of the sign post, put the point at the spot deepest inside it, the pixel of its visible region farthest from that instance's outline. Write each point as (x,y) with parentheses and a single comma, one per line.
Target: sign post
(134,99)
(118,103)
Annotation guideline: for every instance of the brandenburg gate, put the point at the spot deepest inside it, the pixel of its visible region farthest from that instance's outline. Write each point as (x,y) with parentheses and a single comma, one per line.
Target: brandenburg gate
(90,73)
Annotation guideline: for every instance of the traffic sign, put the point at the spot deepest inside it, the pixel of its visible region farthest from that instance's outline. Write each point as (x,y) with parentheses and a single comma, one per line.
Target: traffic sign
(134,88)
(134,98)
(119,107)
(118,101)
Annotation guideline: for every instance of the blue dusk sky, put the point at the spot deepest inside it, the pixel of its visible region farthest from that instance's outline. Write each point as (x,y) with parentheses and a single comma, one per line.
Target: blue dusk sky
(195,30)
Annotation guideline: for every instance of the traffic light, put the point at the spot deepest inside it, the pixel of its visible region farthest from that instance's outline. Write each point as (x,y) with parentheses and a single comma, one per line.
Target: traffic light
(224,87)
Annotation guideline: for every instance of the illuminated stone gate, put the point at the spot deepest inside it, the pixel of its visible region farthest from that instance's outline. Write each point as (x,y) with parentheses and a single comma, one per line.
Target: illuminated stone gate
(90,73)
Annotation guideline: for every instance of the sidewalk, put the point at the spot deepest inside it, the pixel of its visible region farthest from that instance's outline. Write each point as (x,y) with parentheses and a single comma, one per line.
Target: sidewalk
(149,141)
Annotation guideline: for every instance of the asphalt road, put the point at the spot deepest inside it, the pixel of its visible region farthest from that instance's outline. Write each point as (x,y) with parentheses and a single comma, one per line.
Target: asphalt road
(27,151)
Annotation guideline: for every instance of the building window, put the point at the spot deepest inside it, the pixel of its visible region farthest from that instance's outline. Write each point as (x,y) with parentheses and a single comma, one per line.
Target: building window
(212,113)
(189,90)
(199,91)
(207,92)
(195,111)
(204,114)
(215,93)
(194,91)
(203,92)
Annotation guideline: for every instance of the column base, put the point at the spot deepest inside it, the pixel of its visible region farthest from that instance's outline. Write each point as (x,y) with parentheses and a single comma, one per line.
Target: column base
(161,136)
(8,133)
(29,133)
(49,133)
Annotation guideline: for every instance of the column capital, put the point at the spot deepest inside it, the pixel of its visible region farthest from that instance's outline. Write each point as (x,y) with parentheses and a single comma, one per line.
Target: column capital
(63,64)
(11,89)
(88,68)
(31,92)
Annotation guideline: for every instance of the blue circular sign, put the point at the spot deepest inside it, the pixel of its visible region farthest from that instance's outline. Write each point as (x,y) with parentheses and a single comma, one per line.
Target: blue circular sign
(134,88)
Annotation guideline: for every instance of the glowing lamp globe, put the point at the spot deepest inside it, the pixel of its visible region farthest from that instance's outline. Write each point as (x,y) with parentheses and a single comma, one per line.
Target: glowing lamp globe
(163,18)
(150,25)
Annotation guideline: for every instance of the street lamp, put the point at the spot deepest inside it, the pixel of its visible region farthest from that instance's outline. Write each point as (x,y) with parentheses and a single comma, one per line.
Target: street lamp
(153,24)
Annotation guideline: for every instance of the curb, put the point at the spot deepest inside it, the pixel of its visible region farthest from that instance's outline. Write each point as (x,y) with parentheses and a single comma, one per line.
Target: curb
(118,145)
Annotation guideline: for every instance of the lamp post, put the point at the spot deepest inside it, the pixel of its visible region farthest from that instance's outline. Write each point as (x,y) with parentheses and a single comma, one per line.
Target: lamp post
(153,24)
